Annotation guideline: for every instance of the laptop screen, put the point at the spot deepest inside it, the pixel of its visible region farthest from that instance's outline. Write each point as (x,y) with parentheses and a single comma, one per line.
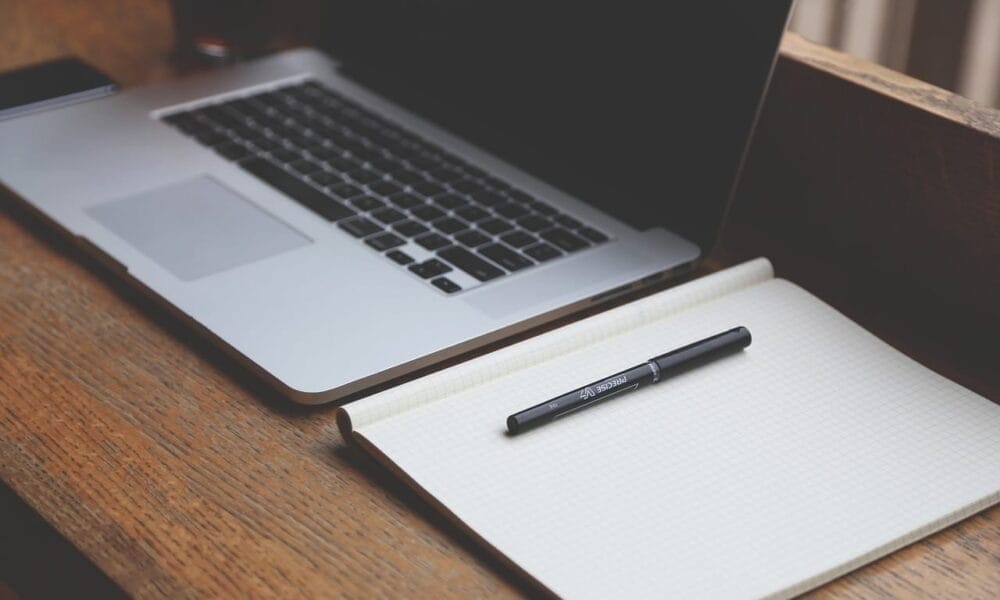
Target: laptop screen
(642,109)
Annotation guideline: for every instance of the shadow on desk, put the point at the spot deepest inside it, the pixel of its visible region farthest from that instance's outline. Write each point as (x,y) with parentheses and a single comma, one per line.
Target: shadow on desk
(37,562)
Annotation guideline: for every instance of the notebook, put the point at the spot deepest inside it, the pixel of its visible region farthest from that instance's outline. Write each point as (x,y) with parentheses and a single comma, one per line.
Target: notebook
(763,474)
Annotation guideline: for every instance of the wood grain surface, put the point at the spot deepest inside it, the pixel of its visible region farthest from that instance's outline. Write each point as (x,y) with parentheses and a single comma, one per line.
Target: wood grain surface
(178,474)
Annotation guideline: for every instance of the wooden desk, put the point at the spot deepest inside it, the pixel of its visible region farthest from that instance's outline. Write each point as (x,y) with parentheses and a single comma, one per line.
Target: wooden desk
(178,474)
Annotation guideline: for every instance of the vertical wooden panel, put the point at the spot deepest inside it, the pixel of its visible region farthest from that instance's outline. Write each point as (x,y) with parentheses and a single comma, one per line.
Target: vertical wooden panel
(894,182)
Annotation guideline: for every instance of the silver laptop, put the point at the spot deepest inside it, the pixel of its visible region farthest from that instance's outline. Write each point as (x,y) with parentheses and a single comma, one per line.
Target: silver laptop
(455,175)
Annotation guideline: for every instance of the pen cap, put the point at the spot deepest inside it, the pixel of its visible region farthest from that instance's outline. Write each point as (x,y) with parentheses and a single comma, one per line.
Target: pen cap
(698,353)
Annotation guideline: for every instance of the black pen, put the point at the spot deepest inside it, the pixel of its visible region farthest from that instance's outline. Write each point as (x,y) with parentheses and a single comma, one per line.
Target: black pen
(652,371)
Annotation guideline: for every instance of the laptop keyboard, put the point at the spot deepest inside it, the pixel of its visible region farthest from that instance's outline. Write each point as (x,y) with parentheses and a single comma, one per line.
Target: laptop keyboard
(446,221)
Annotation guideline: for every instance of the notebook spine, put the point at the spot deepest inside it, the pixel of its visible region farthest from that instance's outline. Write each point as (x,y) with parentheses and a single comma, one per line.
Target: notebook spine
(560,341)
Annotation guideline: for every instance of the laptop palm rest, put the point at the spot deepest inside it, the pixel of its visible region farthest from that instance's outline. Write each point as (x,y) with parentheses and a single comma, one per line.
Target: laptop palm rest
(196,227)
(540,286)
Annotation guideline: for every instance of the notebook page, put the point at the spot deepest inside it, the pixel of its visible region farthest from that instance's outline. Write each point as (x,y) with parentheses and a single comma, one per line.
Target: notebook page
(764,473)
(557,342)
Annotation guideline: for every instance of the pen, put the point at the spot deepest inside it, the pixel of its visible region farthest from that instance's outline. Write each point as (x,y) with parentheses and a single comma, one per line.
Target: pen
(652,371)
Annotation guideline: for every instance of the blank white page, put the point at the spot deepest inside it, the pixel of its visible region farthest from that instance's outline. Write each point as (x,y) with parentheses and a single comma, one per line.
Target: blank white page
(768,472)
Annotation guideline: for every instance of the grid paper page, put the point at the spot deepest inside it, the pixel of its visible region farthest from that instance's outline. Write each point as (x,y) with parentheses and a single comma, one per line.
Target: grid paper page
(765,473)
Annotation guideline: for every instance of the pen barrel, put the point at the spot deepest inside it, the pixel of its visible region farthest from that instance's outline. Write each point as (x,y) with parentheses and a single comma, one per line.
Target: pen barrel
(655,369)
(694,355)
(592,393)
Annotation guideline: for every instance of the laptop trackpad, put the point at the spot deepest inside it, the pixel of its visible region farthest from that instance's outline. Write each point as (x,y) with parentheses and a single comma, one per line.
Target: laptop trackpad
(197,227)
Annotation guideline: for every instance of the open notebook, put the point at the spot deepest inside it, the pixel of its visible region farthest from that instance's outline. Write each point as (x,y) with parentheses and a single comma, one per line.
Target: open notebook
(766,473)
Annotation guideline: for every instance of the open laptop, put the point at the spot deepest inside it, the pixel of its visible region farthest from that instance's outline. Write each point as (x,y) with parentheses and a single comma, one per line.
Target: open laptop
(458,172)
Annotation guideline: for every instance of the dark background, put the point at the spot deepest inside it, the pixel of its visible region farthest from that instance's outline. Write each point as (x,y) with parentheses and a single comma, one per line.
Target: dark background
(623,104)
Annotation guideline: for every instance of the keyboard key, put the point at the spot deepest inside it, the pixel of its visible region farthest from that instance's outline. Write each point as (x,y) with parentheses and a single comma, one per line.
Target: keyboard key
(542,252)
(366,154)
(399,257)
(466,185)
(326,153)
(269,99)
(405,149)
(564,239)
(317,148)
(427,212)
(387,165)
(294,137)
(495,226)
(366,202)
(543,208)
(445,174)
(497,184)
(363,176)
(298,190)
(186,122)
(567,221)
(424,161)
(254,138)
(519,196)
(339,163)
(198,113)
(428,188)
(446,285)
(593,235)
(408,177)
(405,200)
(243,108)
(487,197)
(264,144)
(511,210)
(304,166)
(449,225)
(430,268)
(359,227)
(534,223)
(432,241)
(285,155)
(381,135)
(388,215)
(519,239)
(472,213)
(353,145)
(224,117)
(325,178)
(450,201)
(233,151)
(385,241)
(385,188)
(410,228)
(345,190)
(473,238)
(505,257)
(470,263)
(474,171)
(212,138)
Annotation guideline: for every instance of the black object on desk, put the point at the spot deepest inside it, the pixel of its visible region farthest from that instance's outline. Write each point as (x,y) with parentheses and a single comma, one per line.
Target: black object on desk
(652,371)
(51,85)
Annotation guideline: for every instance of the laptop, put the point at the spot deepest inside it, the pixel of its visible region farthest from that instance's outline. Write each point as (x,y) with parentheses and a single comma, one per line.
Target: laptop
(439,177)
